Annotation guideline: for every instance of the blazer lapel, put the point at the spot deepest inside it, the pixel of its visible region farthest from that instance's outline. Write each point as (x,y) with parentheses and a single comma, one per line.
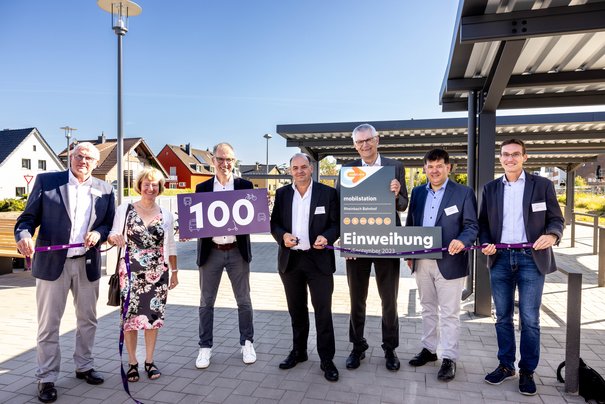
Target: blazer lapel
(500,210)
(95,193)
(287,203)
(421,201)
(64,194)
(314,201)
(527,193)
(449,191)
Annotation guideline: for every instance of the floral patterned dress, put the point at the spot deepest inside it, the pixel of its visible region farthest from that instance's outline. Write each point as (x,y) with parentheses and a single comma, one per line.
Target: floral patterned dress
(148,273)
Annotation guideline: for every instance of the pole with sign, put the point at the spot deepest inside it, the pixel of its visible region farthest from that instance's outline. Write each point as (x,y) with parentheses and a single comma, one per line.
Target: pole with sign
(28,179)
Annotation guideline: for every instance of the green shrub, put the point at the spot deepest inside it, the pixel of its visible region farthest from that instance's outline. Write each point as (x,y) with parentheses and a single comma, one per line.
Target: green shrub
(12,205)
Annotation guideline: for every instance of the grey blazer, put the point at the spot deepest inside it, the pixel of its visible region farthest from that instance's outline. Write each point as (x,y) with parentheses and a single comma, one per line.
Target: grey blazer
(47,210)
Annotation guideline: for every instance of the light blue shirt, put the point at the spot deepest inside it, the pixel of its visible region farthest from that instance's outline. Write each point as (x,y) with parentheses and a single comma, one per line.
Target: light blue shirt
(513,226)
(431,205)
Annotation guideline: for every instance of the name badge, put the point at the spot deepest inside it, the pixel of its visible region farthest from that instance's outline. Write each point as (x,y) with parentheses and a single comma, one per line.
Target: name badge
(95,192)
(538,207)
(320,210)
(451,210)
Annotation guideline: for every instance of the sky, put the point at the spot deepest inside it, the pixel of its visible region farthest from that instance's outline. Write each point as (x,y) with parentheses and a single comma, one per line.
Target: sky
(207,71)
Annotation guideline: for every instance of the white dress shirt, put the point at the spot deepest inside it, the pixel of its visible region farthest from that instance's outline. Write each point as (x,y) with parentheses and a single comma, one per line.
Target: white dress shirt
(218,187)
(377,163)
(80,210)
(513,226)
(301,210)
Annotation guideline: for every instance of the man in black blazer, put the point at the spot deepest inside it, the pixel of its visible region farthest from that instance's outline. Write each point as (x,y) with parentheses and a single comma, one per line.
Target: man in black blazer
(518,208)
(453,207)
(67,207)
(230,253)
(304,220)
(365,139)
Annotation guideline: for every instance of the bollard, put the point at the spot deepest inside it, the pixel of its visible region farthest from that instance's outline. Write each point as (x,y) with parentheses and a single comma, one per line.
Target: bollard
(601,274)
(573,229)
(595,235)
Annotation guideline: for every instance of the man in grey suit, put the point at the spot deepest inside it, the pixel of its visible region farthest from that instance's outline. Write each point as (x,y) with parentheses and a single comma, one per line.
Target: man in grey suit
(68,207)
(453,207)
(518,208)
(365,139)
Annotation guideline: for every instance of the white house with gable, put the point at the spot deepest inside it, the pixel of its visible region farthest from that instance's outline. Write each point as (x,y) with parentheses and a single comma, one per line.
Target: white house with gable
(24,154)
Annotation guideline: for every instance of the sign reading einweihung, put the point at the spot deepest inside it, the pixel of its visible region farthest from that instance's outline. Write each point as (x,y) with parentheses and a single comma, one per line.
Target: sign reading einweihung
(368,216)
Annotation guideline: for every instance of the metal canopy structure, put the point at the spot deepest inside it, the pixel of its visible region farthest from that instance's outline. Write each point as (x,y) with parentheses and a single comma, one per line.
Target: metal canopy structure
(510,54)
(527,54)
(557,140)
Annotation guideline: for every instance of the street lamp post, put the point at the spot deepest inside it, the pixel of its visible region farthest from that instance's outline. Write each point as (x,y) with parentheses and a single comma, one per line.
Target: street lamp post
(120,11)
(267,136)
(68,131)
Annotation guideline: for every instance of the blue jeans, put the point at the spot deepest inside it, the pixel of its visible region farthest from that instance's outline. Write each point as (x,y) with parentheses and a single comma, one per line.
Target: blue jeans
(517,269)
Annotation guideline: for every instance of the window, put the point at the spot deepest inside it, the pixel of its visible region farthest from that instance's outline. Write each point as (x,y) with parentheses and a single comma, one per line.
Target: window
(26,163)
(42,165)
(34,147)
(172,171)
(19,191)
(172,185)
(182,184)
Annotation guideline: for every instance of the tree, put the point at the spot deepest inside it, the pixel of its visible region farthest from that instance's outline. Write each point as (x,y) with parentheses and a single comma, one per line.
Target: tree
(328,166)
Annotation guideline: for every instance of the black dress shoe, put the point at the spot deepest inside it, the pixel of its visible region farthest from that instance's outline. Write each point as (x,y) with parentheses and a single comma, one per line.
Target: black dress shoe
(354,359)
(47,392)
(330,371)
(423,358)
(91,376)
(392,362)
(447,371)
(293,358)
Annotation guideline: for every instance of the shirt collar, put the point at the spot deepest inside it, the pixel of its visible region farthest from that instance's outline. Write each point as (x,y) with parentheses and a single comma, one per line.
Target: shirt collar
(521,178)
(428,186)
(74,181)
(377,162)
(308,189)
(229,183)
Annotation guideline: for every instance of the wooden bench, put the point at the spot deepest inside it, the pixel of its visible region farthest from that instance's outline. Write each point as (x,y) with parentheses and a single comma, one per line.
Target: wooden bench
(8,246)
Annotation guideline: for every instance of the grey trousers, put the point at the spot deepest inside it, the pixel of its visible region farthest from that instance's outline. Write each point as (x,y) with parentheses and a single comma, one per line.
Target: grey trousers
(51,298)
(211,272)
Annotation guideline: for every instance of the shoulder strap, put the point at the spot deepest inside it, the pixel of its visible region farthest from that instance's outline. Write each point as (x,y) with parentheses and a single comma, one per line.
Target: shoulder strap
(117,270)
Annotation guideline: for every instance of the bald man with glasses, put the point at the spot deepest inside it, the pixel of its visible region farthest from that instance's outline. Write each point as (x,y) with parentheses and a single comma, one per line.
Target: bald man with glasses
(229,253)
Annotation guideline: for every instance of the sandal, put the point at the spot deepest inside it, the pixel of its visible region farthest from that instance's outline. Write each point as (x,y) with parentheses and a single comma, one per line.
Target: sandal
(133,373)
(152,371)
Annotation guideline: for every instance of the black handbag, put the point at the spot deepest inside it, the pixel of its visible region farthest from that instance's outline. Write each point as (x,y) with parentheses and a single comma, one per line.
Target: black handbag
(113,295)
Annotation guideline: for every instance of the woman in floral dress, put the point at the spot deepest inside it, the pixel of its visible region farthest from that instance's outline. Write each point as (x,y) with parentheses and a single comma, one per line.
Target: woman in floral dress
(147,231)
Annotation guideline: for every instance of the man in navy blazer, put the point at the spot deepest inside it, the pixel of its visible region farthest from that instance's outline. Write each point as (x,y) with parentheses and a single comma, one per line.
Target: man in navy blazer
(230,253)
(453,207)
(304,220)
(67,207)
(518,208)
(366,140)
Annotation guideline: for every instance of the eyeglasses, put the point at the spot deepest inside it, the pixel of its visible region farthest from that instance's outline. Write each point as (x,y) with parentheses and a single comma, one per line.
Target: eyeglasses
(515,155)
(227,160)
(80,157)
(360,142)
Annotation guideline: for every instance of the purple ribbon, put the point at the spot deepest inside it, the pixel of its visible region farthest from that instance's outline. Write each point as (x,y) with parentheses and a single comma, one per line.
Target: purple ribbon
(430,250)
(124,312)
(57,247)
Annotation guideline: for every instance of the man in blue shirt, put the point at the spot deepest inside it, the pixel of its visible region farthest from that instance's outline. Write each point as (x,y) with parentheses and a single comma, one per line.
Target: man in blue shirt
(518,208)
(452,207)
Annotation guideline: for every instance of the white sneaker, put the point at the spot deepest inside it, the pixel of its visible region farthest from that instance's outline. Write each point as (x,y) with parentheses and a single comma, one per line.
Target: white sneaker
(248,353)
(203,358)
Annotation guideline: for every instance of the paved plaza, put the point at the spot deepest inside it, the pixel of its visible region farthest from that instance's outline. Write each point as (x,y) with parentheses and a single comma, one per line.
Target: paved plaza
(229,380)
